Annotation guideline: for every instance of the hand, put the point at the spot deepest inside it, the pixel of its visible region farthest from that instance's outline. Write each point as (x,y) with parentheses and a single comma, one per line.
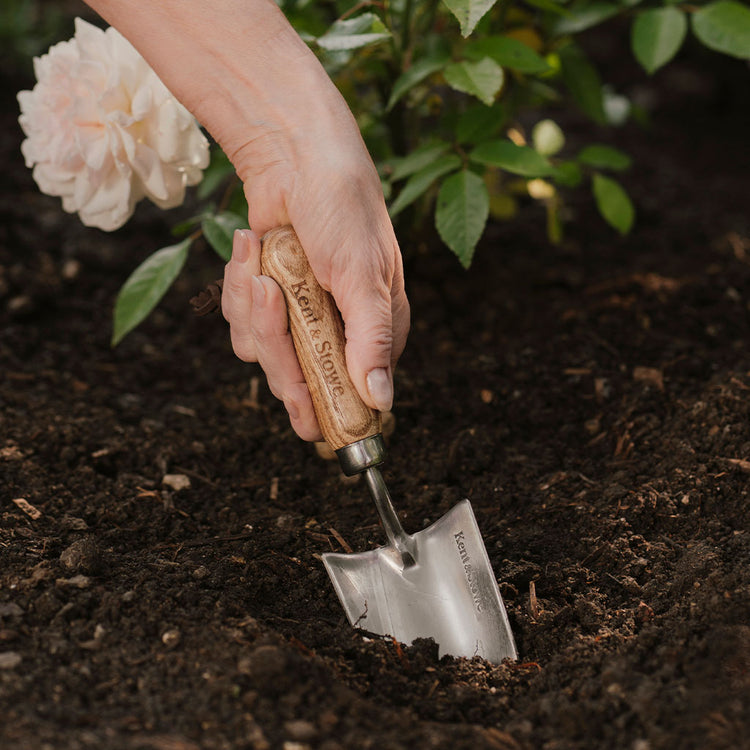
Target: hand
(307,166)
(250,80)
(255,307)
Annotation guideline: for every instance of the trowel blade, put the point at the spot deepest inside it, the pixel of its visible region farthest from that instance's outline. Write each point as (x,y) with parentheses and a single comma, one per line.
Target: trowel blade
(449,594)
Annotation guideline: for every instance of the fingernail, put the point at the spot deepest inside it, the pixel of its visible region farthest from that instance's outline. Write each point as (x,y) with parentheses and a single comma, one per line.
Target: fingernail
(292,409)
(259,293)
(240,246)
(381,388)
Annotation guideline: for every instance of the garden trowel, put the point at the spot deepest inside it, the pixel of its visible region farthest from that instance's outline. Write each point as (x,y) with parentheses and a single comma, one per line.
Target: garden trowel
(437,583)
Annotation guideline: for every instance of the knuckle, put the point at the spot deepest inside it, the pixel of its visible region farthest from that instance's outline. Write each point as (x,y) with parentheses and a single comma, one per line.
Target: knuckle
(243,346)
(377,340)
(267,337)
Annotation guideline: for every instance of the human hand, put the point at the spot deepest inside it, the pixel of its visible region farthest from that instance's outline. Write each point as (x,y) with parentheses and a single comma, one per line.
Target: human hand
(306,165)
(255,308)
(250,80)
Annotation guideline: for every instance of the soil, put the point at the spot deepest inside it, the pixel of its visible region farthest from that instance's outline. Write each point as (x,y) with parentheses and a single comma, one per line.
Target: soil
(592,400)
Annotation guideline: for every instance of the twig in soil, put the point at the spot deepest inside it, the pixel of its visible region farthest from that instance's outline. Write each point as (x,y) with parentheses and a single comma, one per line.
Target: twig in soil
(144,493)
(195,475)
(526,665)
(740,463)
(533,603)
(273,493)
(252,399)
(432,689)
(318,537)
(362,616)
(400,653)
(340,539)
(208,300)
(29,509)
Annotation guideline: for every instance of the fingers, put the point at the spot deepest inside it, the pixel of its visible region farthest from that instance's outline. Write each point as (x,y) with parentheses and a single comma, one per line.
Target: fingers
(276,355)
(255,309)
(236,295)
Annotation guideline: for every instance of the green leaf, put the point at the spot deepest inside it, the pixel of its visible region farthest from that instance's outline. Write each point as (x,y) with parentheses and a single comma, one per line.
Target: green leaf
(482,79)
(568,174)
(468,12)
(420,182)
(238,201)
(508,53)
(583,82)
(463,205)
(656,36)
(505,154)
(547,137)
(583,15)
(146,286)
(219,231)
(604,157)
(479,121)
(613,203)
(416,160)
(353,33)
(188,225)
(421,69)
(724,26)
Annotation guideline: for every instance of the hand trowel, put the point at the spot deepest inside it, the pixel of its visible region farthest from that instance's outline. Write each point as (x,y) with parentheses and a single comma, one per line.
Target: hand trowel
(436,583)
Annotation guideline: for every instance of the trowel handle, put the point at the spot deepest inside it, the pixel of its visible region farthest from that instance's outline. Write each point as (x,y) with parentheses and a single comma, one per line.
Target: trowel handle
(318,335)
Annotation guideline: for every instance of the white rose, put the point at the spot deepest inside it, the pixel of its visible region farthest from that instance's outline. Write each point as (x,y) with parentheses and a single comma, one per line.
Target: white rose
(102,131)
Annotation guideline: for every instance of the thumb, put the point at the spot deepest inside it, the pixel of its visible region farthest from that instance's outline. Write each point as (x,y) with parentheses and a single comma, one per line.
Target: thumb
(375,312)
(369,343)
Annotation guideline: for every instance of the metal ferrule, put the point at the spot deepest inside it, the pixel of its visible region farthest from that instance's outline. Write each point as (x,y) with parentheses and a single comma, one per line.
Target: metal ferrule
(363,454)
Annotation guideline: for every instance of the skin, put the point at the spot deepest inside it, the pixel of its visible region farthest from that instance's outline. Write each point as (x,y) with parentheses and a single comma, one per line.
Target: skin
(249,79)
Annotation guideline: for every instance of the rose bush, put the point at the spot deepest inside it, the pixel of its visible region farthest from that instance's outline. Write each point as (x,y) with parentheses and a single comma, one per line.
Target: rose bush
(453,100)
(103,132)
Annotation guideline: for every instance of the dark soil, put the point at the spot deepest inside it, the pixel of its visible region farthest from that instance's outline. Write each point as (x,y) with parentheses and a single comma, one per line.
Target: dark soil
(592,400)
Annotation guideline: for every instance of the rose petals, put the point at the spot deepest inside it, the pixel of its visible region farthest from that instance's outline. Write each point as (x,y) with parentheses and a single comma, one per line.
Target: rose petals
(103,132)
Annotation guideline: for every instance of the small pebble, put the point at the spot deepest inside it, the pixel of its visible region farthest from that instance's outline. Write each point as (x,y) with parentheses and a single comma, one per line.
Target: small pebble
(10,609)
(70,270)
(300,730)
(9,659)
(170,638)
(82,556)
(201,572)
(176,482)
(20,305)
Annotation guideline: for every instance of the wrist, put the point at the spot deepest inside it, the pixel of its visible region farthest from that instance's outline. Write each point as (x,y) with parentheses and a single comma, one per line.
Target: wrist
(237,65)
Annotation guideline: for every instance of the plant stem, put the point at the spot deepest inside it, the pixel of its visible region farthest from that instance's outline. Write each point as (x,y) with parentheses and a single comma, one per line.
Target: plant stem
(406,31)
(360,6)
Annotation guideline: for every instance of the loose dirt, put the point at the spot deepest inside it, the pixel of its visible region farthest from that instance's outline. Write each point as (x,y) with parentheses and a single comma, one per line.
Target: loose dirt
(161,525)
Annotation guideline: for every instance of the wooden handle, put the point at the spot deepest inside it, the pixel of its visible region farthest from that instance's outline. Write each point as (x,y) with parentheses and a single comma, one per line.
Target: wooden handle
(318,335)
